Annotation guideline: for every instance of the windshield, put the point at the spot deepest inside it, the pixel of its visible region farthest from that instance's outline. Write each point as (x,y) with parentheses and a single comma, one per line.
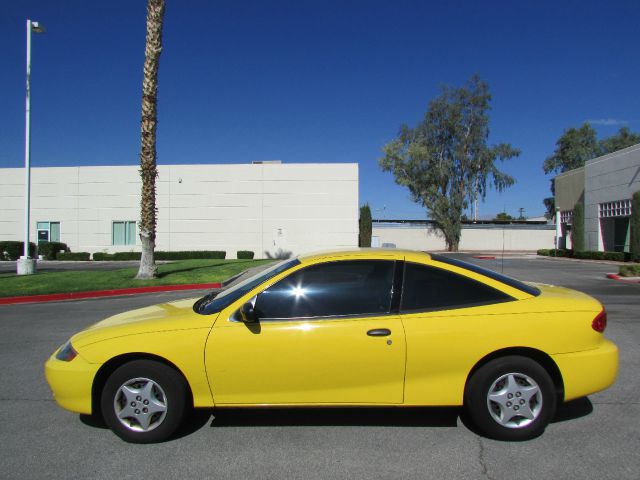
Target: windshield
(214,302)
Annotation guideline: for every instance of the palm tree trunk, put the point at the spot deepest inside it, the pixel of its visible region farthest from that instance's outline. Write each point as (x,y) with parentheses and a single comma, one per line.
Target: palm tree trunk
(148,169)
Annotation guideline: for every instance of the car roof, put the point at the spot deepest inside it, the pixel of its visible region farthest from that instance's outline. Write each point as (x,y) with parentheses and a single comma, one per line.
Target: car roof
(371,253)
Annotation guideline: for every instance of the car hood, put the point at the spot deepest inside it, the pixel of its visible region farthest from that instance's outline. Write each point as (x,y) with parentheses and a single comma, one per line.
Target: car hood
(177,315)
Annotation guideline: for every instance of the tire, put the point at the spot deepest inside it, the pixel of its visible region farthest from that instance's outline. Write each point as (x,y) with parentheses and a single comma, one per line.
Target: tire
(511,398)
(144,401)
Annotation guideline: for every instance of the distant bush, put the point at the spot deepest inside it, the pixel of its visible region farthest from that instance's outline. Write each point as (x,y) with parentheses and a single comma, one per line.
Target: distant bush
(586,255)
(160,255)
(629,270)
(10,250)
(49,250)
(552,252)
(244,254)
(73,256)
(193,254)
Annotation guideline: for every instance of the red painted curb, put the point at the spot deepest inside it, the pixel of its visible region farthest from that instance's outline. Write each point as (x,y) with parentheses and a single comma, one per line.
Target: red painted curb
(484,257)
(55,297)
(615,276)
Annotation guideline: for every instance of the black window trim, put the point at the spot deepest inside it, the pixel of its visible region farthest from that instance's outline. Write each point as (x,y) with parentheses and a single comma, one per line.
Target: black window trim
(449,307)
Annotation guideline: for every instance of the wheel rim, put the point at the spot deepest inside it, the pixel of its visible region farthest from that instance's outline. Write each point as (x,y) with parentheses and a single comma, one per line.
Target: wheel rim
(514,400)
(140,404)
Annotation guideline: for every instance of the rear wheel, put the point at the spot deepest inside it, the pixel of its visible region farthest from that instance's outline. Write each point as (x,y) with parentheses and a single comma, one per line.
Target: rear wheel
(144,401)
(511,398)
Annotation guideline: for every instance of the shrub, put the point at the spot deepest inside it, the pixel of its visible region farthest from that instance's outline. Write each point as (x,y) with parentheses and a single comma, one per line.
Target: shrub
(49,250)
(577,232)
(73,256)
(552,252)
(635,227)
(589,255)
(160,255)
(100,256)
(364,239)
(244,254)
(629,270)
(193,254)
(10,250)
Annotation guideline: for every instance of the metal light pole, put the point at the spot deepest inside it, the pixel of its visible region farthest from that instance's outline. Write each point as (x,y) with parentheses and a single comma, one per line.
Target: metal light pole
(26,265)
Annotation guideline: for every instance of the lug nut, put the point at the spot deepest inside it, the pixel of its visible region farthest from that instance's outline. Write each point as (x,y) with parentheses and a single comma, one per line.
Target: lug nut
(133,404)
(518,394)
(145,410)
(509,395)
(516,407)
(137,411)
(146,402)
(521,402)
(139,398)
(509,404)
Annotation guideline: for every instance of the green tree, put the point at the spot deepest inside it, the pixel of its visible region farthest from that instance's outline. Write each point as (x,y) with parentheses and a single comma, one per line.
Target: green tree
(445,161)
(623,139)
(635,227)
(148,168)
(503,217)
(573,149)
(365,226)
(577,230)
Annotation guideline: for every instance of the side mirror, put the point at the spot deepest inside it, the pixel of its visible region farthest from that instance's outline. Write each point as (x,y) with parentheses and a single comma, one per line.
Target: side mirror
(247,313)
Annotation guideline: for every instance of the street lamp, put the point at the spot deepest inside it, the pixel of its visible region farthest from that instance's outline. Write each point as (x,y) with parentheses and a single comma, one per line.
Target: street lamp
(26,265)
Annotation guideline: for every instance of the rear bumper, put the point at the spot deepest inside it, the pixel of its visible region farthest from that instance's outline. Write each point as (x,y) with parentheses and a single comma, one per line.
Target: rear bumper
(588,372)
(71,382)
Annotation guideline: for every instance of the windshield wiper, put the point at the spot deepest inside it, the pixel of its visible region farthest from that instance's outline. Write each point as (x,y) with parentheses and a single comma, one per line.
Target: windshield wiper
(201,304)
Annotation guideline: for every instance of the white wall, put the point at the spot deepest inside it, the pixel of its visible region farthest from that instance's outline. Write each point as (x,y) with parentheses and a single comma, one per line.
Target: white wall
(527,238)
(263,207)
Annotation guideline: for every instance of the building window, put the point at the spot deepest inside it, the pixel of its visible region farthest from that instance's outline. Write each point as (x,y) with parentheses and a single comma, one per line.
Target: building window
(566,217)
(48,232)
(621,208)
(123,233)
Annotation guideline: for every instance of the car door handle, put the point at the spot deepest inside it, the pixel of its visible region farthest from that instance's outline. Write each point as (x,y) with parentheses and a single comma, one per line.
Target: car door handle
(379,332)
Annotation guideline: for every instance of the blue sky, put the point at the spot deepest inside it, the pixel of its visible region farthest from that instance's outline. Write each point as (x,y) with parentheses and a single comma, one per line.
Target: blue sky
(316,81)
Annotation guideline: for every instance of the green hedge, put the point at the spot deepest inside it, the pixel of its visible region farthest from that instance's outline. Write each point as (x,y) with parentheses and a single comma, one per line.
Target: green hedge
(635,227)
(629,270)
(245,254)
(10,250)
(586,255)
(73,256)
(160,255)
(50,250)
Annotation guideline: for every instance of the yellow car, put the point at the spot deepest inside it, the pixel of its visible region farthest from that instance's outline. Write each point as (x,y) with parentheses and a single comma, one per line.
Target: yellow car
(353,328)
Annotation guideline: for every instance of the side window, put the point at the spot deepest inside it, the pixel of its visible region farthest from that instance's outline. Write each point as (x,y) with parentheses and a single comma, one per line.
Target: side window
(429,288)
(337,288)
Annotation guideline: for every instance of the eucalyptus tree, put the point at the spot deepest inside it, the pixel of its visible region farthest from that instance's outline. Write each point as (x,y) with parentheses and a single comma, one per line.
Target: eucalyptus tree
(148,166)
(445,160)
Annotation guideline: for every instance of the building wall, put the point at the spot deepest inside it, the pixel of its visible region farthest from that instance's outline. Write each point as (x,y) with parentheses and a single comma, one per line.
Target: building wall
(608,178)
(479,238)
(569,188)
(266,208)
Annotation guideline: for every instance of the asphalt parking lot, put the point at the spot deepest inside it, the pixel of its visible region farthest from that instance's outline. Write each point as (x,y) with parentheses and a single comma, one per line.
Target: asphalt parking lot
(594,438)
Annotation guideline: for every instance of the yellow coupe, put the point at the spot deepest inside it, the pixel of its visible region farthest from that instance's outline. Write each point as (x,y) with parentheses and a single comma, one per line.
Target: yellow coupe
(351,328)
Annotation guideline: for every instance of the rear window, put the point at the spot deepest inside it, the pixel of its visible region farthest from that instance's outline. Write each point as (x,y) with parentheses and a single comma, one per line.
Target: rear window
(512,282)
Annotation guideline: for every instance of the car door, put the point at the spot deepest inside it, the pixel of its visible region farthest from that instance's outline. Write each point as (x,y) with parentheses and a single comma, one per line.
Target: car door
(325,336)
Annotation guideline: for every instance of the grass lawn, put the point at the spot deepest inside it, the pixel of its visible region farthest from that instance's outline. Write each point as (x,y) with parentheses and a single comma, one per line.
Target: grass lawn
(175,273)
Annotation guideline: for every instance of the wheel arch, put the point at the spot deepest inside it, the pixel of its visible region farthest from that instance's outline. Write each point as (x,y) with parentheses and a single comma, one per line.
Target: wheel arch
(114,363)
(540,357)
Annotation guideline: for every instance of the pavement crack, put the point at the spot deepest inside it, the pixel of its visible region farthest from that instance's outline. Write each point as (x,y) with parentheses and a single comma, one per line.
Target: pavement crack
(481,460)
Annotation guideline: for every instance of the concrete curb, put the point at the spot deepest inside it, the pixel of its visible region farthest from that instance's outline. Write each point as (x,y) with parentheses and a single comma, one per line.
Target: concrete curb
(56,297)
(615,276)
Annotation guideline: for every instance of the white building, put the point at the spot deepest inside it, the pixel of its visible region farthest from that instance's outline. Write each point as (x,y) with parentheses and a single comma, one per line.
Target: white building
(268,208)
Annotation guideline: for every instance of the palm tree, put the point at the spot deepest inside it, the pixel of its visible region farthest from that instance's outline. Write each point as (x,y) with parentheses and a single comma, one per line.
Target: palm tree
(148,169)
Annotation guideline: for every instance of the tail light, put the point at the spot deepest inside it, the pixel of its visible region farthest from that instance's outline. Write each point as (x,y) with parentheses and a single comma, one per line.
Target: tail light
(600,322)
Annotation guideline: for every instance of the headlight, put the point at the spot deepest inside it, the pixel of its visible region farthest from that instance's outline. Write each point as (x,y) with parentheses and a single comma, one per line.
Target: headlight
(66,353)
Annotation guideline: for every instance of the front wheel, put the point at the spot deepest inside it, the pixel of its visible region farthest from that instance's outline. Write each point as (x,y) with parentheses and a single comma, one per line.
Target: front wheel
(511,398)
(144,401)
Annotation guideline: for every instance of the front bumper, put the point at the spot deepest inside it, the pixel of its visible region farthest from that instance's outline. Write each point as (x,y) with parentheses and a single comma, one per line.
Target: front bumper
(589,371)
(71,382)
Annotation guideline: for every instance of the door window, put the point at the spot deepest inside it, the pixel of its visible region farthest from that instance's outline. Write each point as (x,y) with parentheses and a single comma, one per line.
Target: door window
(358,287)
